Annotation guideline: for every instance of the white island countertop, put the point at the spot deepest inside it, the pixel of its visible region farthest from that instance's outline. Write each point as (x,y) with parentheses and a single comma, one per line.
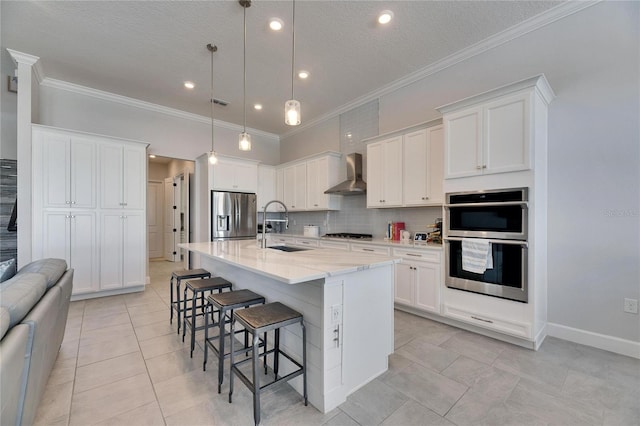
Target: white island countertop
(289,267)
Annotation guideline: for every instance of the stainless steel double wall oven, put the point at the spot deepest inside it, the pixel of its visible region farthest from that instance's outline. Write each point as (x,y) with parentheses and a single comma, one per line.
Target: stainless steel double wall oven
(501,217)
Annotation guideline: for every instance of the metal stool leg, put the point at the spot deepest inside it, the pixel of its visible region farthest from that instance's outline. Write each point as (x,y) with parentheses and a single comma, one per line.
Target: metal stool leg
(221,348)
(193,322)
(231,361)
(276,353)
(256,378)
(206,336)
(178,303)
(171,306)
(304,362)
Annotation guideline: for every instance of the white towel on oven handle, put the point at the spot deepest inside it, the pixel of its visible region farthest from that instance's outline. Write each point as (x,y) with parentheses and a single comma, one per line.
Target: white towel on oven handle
(476,255)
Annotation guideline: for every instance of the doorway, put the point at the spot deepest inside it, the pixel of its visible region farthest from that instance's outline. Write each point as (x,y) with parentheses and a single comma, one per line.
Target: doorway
(169,209)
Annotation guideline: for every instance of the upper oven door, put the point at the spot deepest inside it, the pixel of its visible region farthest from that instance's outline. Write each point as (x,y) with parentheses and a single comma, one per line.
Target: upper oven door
(498,214)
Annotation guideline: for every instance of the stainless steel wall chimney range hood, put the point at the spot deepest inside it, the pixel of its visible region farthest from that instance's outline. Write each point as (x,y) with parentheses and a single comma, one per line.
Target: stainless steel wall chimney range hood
(354,185)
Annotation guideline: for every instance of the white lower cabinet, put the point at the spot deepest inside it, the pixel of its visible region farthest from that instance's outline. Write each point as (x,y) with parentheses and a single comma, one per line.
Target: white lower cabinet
(122,250)
(418,279)
(71,235)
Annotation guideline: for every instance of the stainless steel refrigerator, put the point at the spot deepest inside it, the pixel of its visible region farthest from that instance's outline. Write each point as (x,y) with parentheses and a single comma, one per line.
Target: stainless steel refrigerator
(233,215)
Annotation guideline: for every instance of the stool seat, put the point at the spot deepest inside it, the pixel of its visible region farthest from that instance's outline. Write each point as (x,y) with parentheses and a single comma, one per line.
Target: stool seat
(264,316)
(191,273)
(207,284)
(233,299)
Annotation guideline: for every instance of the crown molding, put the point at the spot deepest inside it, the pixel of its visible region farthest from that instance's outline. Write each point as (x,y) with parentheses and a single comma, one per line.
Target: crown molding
(30,60)
(552,15)
(112,97)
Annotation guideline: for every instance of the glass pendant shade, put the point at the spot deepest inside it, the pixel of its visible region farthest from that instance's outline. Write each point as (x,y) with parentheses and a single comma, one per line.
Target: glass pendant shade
(213,159)
(244,142)
(292,112)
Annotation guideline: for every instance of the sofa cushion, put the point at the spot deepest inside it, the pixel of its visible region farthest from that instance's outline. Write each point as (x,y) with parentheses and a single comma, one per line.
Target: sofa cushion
(19,294)
(7,269)
(4,321)
(52,269)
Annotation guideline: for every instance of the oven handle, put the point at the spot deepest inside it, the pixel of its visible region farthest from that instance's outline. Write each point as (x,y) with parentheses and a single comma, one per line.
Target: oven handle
(494,204)
(494,241)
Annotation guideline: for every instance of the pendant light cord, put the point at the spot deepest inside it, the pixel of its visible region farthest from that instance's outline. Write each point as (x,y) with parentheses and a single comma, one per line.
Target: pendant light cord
(212,48)
(244,67)
(293,46)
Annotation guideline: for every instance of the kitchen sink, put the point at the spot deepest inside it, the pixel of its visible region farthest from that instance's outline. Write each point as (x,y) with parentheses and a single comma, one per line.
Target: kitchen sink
(288,248)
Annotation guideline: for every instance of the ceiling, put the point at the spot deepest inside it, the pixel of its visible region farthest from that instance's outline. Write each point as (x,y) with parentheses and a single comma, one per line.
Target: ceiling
(146,49)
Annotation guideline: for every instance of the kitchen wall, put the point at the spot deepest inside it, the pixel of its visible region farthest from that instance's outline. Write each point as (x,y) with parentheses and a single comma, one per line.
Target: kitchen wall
(8,110)
(322,137)
(356,217)
(169,135)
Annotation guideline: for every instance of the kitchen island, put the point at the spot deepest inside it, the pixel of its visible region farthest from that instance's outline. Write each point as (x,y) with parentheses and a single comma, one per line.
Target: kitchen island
(346,300)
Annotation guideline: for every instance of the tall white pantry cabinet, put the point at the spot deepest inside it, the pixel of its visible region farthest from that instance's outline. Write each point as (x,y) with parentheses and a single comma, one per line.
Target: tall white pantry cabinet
(89,208)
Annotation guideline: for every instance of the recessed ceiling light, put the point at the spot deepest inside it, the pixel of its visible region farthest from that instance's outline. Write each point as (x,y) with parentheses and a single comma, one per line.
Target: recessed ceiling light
(276,24)
(189,84)
(152,156)
(257,106)
(303,74)
(385,17)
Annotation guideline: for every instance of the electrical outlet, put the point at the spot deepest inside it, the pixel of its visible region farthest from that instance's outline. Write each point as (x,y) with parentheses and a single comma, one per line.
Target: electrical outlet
(336,314)
(631,306)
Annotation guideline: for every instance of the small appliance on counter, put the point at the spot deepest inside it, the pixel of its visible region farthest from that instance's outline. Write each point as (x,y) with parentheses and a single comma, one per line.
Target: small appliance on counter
(405,236)
(311,230)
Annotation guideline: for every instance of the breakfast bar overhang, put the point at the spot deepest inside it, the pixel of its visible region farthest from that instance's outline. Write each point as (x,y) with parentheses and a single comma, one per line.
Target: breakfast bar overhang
(346,299)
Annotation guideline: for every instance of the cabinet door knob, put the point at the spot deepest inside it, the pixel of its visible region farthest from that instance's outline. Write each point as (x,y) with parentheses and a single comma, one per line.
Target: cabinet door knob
(484,166)
(478,167)
(73,202)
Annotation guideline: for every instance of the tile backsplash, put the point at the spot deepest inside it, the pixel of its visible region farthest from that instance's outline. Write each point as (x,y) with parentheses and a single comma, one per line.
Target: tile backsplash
(354,216)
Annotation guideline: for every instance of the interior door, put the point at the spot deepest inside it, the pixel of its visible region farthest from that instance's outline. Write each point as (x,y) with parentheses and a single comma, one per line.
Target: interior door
(169,224)
(155,202)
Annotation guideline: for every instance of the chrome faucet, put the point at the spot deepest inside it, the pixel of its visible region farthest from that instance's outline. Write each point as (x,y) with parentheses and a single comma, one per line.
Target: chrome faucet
(263,244)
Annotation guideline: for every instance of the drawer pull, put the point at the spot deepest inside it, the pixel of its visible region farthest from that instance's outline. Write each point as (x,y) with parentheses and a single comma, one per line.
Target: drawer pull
(414,255)
(482,319)
(366,249)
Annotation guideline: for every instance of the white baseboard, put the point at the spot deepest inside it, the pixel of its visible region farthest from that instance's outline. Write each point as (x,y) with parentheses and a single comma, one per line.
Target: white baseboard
(600,341)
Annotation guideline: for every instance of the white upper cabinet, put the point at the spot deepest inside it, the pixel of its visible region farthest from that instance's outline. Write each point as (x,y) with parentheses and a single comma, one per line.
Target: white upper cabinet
(295,187)
(406,170)
(301,184)
(384,173)
(235,175)
(122,176)
(266,187)
(423,167)
(68,169)
(493,132)
(322,174)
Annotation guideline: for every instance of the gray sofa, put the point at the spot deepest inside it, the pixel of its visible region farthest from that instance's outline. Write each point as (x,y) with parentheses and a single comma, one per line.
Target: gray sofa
(34,305)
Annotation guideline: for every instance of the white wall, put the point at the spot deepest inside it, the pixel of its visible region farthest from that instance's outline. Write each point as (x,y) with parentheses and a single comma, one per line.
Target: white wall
(168,135)
(8,110)
(591,60)
(322,137)
(157,171)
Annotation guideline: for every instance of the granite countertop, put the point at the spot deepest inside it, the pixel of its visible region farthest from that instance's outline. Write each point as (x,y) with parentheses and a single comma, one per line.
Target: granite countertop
(289,267)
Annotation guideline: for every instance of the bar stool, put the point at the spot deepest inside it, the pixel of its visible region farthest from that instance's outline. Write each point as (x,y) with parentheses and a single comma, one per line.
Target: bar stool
(225,304)
(179,276)
(261,319)
(198,288)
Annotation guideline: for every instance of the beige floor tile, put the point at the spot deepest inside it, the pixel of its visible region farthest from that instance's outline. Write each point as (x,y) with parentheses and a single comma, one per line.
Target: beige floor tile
(111,400)
(414,414)
(99,335)
(106,349)
(174,364)
(109,371)
(160,328)
(147,415)
(138,320)
(185,391)
(106,320)
(64,370)
(55,404)
(161,345)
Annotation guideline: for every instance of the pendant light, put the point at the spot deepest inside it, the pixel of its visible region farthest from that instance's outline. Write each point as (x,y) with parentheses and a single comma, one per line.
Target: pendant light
(213,159)
(292,107)
(244,142)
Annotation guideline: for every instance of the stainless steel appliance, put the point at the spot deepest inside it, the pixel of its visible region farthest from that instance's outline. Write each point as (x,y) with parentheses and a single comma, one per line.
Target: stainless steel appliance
(233,215)
(354,185)
(501,217)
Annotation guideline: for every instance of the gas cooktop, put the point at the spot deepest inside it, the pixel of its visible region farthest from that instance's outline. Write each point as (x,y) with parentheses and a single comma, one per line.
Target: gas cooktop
(349,235)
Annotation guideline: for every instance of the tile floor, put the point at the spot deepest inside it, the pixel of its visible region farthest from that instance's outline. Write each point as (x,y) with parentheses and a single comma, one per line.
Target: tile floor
(121,363)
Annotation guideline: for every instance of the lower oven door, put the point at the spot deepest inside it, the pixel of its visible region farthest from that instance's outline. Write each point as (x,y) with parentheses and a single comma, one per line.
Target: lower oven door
(507,279)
